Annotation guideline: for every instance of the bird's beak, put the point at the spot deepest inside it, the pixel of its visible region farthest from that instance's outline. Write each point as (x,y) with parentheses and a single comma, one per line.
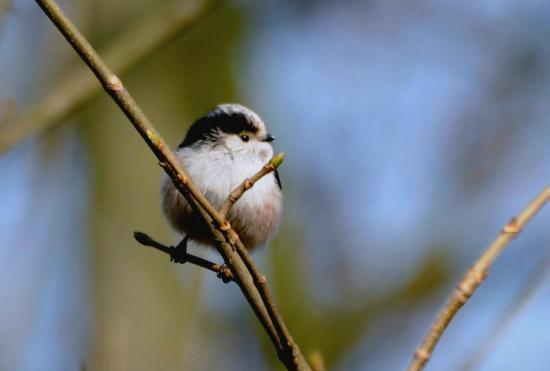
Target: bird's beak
(269,138)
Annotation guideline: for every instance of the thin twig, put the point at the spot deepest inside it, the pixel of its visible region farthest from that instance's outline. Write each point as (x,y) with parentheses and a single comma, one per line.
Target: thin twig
(474,277)
(224,236)
(288,351)
(245,281)
(77,88)
(222,271)
(248,183)
(259,279)
(532,283)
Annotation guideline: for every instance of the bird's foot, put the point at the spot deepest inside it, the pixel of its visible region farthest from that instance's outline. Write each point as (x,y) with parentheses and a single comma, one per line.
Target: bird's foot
(178,254)
(225,274)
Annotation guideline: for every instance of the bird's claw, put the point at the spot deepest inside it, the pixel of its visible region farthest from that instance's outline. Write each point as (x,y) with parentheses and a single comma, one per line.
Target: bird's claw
(178,254)
(224,274)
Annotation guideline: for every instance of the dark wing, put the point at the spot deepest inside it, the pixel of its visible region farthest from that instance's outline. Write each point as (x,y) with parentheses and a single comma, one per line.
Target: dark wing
(276,173)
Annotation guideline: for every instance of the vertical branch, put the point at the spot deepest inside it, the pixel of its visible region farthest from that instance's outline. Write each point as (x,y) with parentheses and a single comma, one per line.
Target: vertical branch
(474,277)
(225,237)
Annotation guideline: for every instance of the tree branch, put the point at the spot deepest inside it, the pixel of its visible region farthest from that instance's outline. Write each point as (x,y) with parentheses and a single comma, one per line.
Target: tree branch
(225,237)
(474,277)
(180,255)
(77,88)
(260,281)
(242,277)
(248,183)
(533,282)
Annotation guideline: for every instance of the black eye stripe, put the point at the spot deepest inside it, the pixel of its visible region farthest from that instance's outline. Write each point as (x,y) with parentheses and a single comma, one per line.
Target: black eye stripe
(218,120)
(235,123)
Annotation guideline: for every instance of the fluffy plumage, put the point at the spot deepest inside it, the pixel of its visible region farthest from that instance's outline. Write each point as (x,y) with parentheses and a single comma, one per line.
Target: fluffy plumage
(221,149)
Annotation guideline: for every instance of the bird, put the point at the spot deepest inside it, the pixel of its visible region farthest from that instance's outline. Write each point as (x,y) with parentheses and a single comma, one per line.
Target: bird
(221,149)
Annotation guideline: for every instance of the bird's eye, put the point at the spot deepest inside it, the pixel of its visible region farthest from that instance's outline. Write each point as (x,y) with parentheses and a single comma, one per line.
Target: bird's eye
(244,137)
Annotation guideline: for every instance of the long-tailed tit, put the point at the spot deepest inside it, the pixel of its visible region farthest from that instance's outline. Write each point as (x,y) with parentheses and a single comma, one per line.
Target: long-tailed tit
(221,149)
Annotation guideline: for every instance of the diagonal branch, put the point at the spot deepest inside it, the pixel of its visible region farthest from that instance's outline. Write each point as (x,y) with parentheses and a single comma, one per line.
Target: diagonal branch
(225,237)
(228,249)
(291,351)
(248,183)
(536,278)
(77,88)
(474,277)
(260,281)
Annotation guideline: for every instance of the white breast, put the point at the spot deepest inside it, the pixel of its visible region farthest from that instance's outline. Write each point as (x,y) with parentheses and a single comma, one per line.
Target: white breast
(217,172)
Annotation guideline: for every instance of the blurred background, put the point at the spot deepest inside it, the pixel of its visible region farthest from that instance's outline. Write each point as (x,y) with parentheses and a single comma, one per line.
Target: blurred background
(413,132)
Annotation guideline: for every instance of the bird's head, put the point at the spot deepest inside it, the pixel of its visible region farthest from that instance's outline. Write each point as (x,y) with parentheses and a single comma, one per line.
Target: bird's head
(233,126)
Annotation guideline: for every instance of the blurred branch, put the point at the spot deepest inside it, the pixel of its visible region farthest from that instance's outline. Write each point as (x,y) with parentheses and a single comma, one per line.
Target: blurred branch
(248,183)
(180,255)
(5,7)
(251,282)
(518,303)
(474,277)
(78,88)
(317,361)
